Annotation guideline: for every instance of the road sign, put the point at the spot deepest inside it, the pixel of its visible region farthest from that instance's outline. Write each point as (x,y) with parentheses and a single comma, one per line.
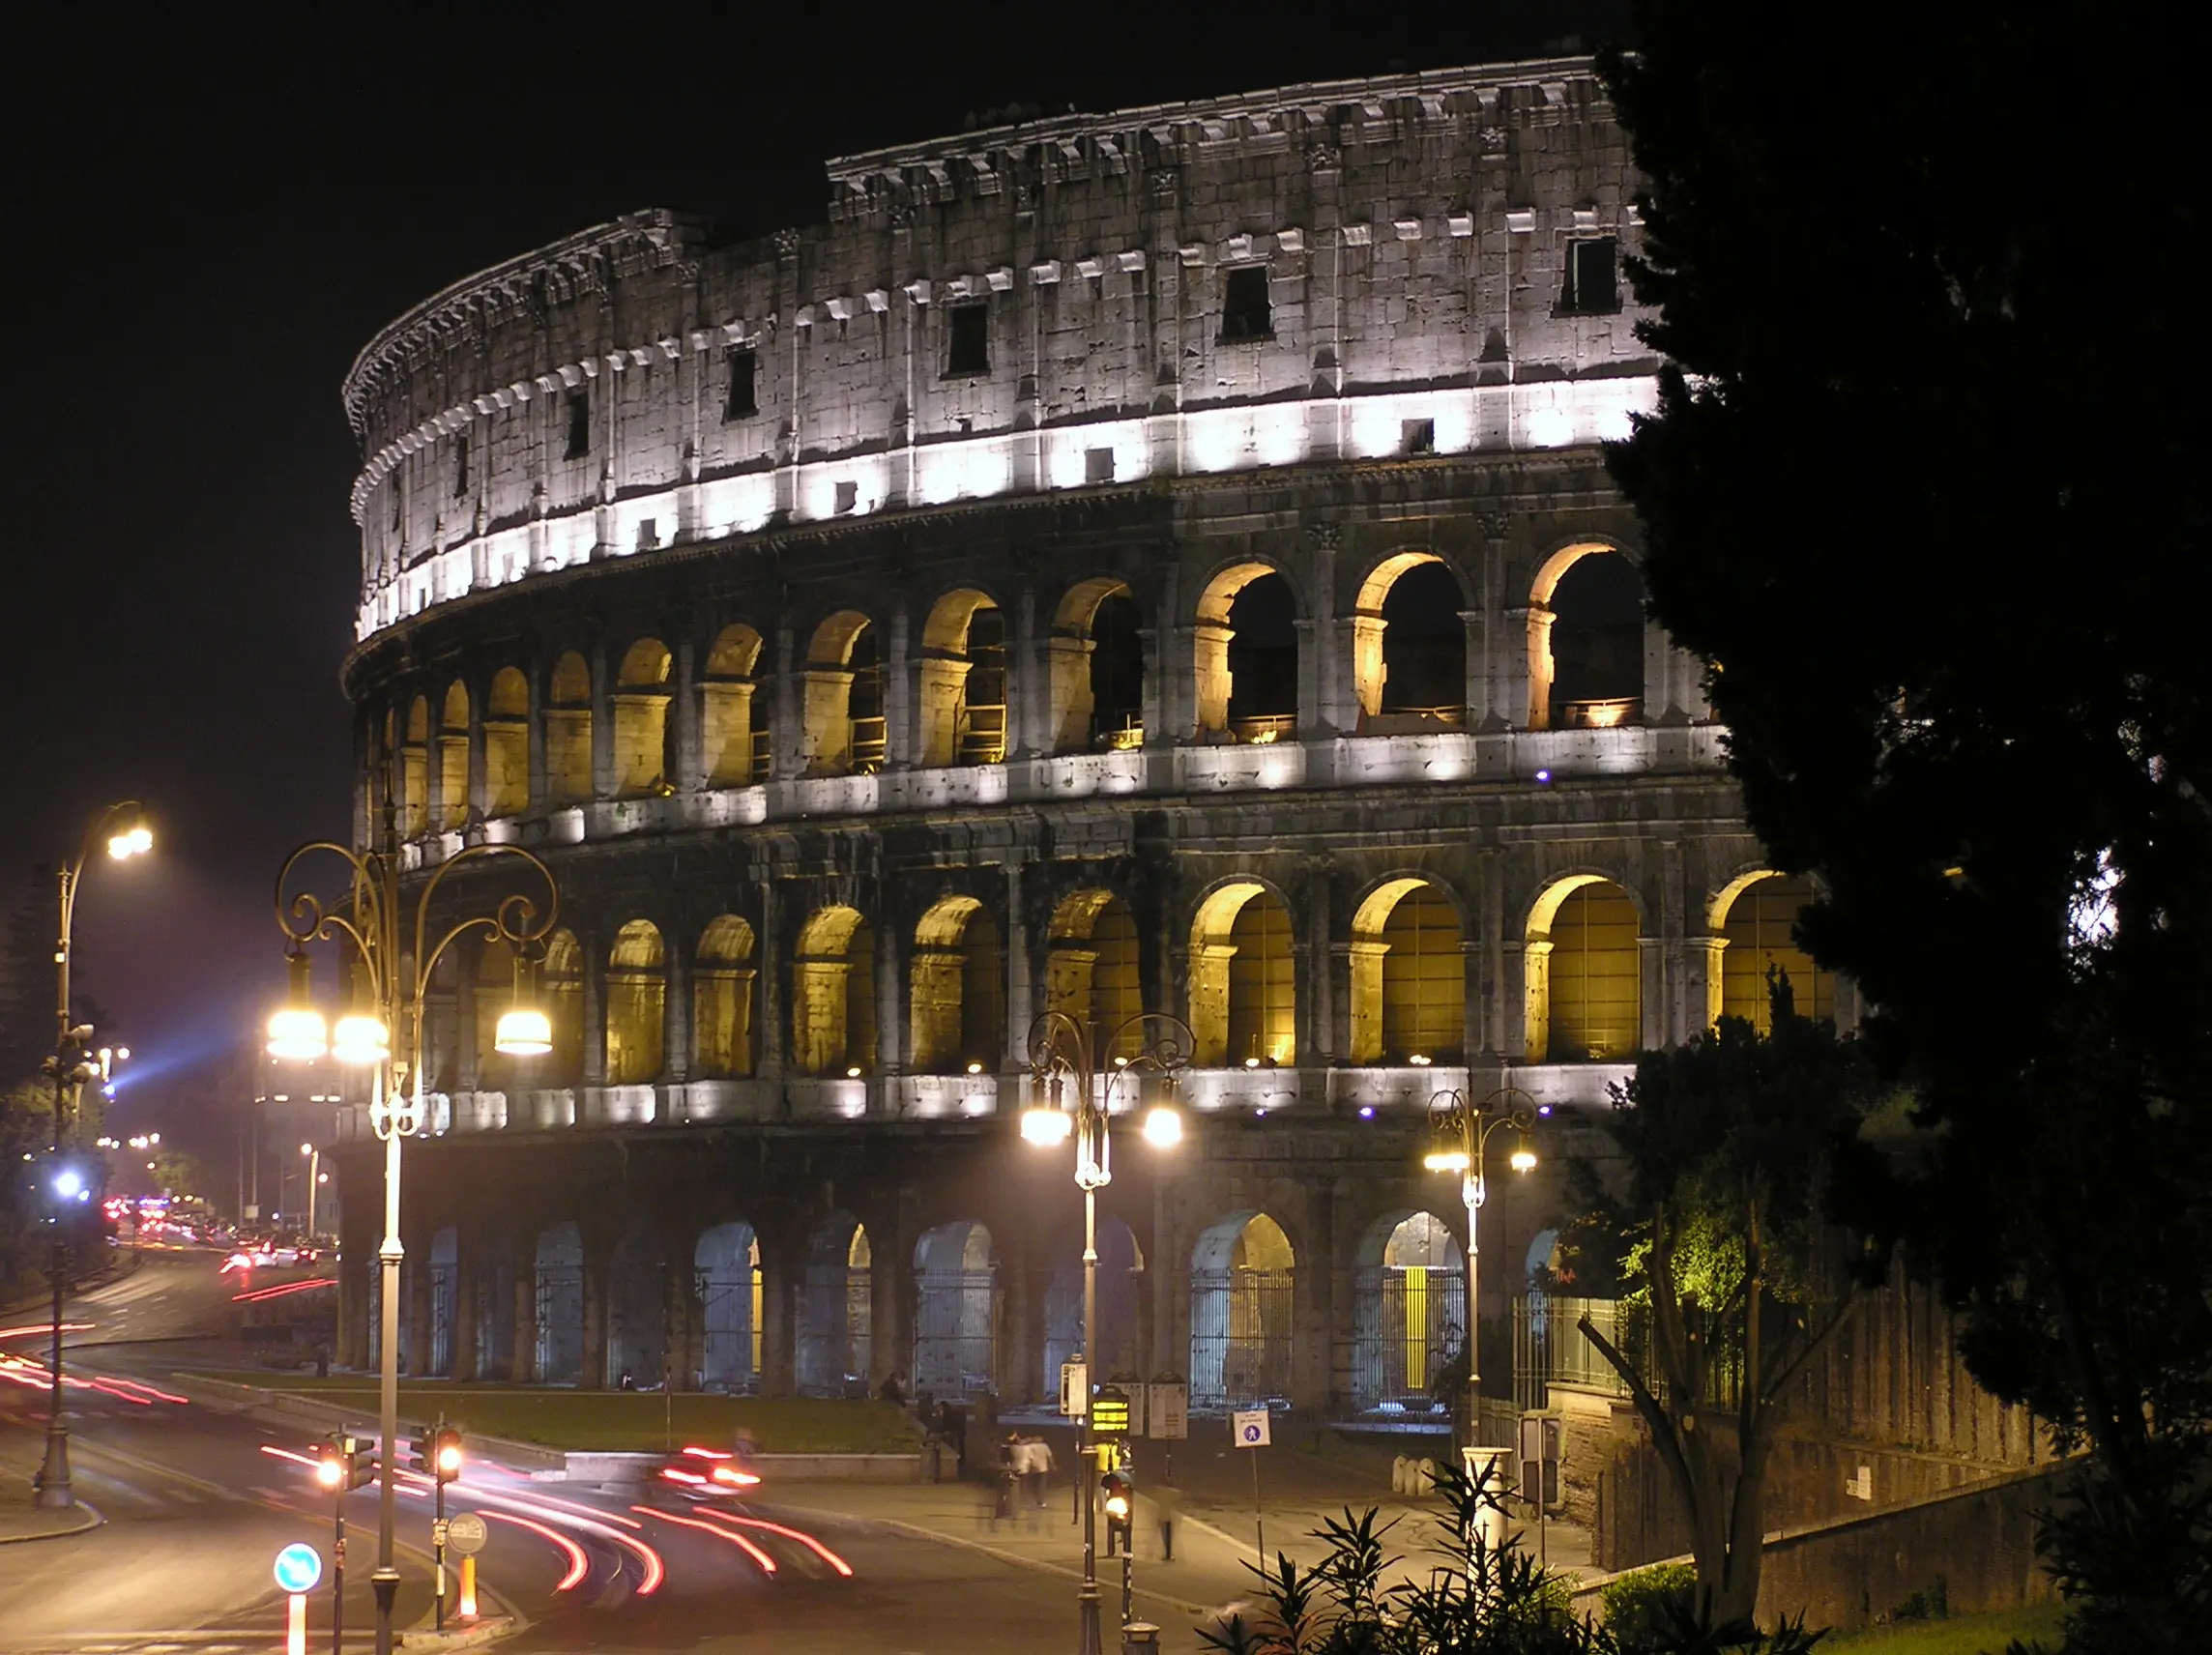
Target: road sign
(1110,1412)
(466,1533)
(1250,1428)
(1074,1389)
(299,1567)
(1167,1410)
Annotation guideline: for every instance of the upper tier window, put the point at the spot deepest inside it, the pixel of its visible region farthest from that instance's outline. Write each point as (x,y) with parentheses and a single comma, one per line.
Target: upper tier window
(1246,309)
(968,347)
(743,400)
(579,425)
(1592,285)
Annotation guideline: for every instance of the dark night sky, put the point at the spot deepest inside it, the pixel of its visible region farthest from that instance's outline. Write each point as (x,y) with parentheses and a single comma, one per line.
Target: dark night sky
(208,224)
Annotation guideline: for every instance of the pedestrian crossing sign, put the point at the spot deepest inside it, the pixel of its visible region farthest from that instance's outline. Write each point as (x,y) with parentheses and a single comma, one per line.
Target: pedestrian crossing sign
(1250,1428)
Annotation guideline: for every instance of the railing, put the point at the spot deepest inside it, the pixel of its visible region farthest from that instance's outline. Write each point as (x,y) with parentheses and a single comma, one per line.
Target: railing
(1550,1349)
(871,742)
(1609,713)
(1263,728)
(983,735)
(759,761)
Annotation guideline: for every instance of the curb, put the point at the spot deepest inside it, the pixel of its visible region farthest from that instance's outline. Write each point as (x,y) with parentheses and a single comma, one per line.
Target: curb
(1014,1560)
(487,1628)
(92,1521)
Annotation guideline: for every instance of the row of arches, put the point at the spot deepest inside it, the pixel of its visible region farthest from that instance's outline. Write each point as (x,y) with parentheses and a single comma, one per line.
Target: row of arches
(1407,973)
(701,1325)
(1408,669)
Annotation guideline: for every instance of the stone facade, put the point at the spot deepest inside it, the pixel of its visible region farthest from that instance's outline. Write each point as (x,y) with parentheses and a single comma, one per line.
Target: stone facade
(990,601)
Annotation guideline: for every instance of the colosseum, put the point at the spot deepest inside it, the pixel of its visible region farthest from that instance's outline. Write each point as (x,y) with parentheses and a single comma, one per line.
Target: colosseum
(1157,561)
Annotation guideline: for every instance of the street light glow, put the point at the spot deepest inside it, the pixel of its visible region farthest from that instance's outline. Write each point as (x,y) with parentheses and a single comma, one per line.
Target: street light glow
(523,1031)
(1163,1126)
(1446,1161)
(1047,1126)
(360,1040)
(132,842)
(296,1035)
(1523,1159)
(69,1183)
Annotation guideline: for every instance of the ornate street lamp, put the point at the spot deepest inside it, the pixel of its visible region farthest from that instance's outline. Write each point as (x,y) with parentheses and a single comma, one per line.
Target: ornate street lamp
(1064,1064)
(1461,1134)
(73,1062)
(394,959)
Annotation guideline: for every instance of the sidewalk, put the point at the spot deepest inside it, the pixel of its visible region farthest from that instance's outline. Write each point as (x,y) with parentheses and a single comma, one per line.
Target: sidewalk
(20,1519)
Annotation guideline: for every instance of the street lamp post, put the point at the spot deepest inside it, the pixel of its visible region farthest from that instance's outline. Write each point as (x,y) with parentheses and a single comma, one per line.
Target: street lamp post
(1064,1053)
(314,1177)
(383,1032)
(1462,1133)
(71,1065)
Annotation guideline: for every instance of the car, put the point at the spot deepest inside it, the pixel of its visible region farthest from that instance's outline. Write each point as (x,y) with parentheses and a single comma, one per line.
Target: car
(707,1473)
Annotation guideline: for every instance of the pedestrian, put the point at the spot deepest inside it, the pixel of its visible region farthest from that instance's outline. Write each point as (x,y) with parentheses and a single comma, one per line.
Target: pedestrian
(891,1391)
(1038,1466)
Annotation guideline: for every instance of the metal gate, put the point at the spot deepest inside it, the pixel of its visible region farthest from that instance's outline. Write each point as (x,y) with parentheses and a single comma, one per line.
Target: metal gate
(637,1324)
(833,1344)
(444,1279)
(955,1332)
(1241,1338)
(560,1323)
(726,1312)
(495,1319)
(1413,1327)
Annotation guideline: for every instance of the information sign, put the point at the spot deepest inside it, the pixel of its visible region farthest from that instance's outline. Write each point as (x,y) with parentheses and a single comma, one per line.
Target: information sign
(1250,1428)
(1167,1410)
(1110,1412)
(1074,1389)
(466,1533)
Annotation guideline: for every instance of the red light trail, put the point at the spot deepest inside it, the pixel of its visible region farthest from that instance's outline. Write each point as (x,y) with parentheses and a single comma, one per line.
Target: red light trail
(767,1563)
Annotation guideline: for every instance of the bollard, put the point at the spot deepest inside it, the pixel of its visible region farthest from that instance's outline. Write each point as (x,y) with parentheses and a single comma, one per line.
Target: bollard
(468,1609)
(1140,1638)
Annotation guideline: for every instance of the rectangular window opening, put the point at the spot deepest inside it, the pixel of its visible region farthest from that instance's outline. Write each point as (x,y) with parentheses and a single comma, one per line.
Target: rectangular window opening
(1245,308)
(460,465)
(1593,283)
(1420,436)
(579,425)
(743,399)
(847,499)
(1098,465)
(969,346)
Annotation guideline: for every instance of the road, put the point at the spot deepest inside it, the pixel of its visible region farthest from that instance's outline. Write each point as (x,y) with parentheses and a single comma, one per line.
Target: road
(199,1500)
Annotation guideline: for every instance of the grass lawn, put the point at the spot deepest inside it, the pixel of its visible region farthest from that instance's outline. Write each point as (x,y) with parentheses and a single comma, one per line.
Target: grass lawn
(619,1420)
(1961,1634)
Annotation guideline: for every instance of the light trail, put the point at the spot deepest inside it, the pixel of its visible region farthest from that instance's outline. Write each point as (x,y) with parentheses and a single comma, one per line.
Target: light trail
(801,1536)
(282,1288)
(766,1562)
(591,1511)
(154,1391)
(656,1571)
(579,1565)
(44,1330)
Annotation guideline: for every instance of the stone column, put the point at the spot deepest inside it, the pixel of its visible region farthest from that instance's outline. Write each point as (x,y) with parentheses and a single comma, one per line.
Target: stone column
(523,1360)
(890,1010)
(773,1028)
(779,1314)
(606,782)
(534,739)
(465,1267)
(593,1377)
(685,738)
(1316,1024)
(676,1011)
(1021,989)
(595,1011)
(1651,964)
(890,1299)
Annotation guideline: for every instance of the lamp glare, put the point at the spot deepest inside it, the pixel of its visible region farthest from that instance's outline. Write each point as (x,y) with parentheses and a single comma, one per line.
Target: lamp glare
(359,1039)
(524,1032)
(1163,1126)
(296,1035)
(1047,1127)
(1446,1161)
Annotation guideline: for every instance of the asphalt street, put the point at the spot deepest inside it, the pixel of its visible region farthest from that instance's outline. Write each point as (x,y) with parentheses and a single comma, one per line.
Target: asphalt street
(199,1500)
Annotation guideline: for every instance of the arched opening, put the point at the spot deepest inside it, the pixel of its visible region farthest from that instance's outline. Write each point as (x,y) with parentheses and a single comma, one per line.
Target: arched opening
(1585,641)
(562,979)
(453,758)
(1120,1308)
(1411,1299)
(1753,919)
(722,1000)
(956,1311)
(558,1293)
(725,1268)
(1408,976)
(444,1273)
(507,744)
(637,1005)
(493,1271)
(643,762)
(957,1009)
(1408,647)
(1241,1314)
(568,732)
(1090,970)
(845,733)
(637,1310)
(414,772)
(962,684)
(1243,979)
(836,1311)
(732,753)
(1245,660)
(1097,658)
(833,994)
(1585,977)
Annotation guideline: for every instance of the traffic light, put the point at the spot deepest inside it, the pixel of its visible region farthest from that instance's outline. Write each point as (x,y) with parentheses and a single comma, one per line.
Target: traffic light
(1117,1490)
(446,1453)
(342,1463)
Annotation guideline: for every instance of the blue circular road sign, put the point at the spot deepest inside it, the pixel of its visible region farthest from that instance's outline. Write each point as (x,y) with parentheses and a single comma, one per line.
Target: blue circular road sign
(299,1566)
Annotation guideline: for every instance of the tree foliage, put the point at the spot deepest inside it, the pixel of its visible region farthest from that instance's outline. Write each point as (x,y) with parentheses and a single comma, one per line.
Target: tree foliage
(1732,1147)
(1923,491)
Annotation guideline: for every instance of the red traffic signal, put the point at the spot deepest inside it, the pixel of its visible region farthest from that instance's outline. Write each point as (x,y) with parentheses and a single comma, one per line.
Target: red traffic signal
(331,1465)
(342,1462)
(446,1453)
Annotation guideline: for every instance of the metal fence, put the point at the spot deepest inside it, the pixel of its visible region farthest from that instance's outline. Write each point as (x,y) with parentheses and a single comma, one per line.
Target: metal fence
(955,1332)
(726,1314)
(1240,1338)
(1412,1324)
(444,1279)
(560,1302)
(1550,1349)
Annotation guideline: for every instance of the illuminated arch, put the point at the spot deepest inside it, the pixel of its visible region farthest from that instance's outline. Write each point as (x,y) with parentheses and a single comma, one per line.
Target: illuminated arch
(732,753)
(1265,707)
(1097,668)
(833,993)
(1408,975)
(415,772)
(568,732)
(1584,973)
(1584,671)
(636,1004)
(1410,1296)
(722,1000)
(844,698)
(956,1008)
(1092,967)
(642,760)
(454,757)
(726,1267)
(1242,1311)
(961,682)
(1243,978)
(562,979)
(507,744)
(1750,921)
(956,1311)
(1409,646)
